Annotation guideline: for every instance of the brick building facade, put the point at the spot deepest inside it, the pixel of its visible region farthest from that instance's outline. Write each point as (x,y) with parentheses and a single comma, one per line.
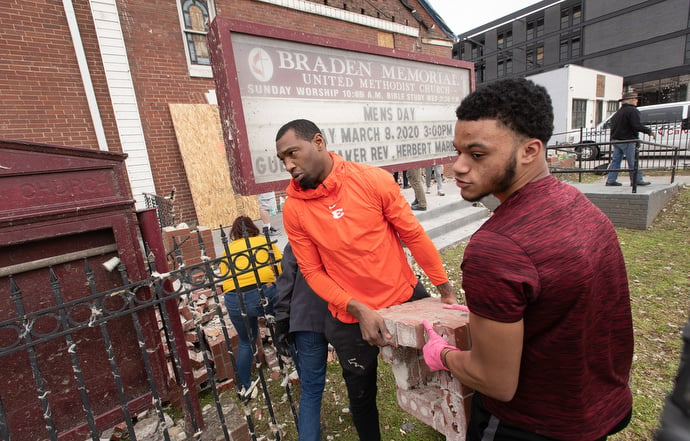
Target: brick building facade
(102,73)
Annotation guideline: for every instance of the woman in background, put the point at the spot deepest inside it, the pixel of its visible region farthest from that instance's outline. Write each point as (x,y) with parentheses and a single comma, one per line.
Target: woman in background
(252,275)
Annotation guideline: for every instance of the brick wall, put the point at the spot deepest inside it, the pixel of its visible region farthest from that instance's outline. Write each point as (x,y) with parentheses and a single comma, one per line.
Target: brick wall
(43,98)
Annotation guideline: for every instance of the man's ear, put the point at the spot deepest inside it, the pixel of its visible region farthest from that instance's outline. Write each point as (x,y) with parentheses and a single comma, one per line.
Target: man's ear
(319,142)
(532,149)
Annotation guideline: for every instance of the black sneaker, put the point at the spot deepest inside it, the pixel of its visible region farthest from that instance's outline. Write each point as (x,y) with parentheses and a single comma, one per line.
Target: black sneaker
(642,183)
(271,232)
(418,207)
(613,184)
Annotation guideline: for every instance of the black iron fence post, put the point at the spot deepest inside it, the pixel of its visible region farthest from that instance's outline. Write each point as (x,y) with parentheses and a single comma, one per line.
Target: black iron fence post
(17,298)
(148,224)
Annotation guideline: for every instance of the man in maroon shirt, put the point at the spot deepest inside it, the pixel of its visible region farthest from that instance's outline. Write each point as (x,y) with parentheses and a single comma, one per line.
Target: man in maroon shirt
(545,281)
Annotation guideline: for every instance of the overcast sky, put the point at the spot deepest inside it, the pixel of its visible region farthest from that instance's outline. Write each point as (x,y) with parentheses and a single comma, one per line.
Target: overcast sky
(463,15)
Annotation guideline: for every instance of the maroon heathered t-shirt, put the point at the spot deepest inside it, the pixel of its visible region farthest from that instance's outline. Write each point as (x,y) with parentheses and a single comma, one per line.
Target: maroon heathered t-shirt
(550,257)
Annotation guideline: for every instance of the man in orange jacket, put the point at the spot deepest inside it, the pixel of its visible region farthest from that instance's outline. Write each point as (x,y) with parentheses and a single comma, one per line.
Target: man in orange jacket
(345,222)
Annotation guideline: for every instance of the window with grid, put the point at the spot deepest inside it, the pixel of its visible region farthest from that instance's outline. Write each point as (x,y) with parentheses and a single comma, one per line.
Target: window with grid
(564,50)
(577,15)
(477,51)
(504,39)
(571,16)
(579,114)
(540,56)
(479,70)
(539,29)
(575,46)
(534,28)
(611,108)
(195,17)
(504,67)
(569,48)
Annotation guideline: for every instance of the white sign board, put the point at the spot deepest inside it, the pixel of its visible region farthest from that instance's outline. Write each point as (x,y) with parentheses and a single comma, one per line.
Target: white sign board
(374,105)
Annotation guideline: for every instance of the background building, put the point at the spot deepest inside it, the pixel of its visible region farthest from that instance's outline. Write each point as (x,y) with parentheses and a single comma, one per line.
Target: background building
(647,42)
(103,74)
(581,98)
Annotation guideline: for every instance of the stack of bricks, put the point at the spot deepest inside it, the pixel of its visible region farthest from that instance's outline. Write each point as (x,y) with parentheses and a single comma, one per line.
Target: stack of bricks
(187,242)
(435,398)
(200,308)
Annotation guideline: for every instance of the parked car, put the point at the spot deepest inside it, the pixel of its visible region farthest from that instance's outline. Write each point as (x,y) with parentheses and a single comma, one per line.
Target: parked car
(668,121)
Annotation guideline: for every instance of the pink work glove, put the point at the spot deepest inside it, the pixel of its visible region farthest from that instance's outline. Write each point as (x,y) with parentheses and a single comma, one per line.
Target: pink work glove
(433,348)
(462,308)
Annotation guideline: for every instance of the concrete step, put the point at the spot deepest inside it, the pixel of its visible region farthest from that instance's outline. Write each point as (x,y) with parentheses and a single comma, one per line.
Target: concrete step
(452,222)
(449,219)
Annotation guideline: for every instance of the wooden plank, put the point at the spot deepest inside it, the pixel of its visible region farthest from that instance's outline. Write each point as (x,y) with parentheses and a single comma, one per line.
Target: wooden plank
(199,136)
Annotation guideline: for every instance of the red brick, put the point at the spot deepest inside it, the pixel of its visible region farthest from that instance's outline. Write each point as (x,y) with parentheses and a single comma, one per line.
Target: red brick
(185,312)
(197,359)
(435,398)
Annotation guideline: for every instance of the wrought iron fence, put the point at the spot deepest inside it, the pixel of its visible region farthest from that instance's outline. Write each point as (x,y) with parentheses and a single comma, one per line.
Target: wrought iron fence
(164,206)
(70,326)
(595,157)
(594,144)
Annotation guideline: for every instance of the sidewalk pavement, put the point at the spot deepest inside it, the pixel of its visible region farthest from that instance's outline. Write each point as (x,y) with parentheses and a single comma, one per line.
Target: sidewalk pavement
(452,204)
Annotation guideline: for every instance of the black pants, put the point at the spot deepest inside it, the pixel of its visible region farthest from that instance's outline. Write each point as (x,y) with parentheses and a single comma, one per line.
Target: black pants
(484,426)
(359,361)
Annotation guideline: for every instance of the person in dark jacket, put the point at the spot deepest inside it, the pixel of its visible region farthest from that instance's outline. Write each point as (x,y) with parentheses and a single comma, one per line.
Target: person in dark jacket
(300,315)
(626,126)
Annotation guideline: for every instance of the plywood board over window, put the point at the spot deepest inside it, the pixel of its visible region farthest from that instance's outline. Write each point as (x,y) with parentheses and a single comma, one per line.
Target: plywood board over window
(200,138)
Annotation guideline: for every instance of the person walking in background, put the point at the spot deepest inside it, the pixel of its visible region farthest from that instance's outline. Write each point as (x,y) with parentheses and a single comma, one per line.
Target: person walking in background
(437,171)
(415,177)
(267,204)
(345,222)
(300,316)
(545,281)
(405,182)
(626,126)
(255,279)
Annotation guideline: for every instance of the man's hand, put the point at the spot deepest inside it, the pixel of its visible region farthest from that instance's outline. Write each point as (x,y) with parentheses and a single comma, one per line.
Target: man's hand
(434,347)
(372,325)
(283,337)
(447,293)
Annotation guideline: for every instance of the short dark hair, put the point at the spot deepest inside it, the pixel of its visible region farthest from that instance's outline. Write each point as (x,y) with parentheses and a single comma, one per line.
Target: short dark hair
(242,224)
(304,129)
(519,104)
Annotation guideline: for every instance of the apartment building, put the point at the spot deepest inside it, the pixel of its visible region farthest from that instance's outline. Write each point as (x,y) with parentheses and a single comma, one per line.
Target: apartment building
(647,42)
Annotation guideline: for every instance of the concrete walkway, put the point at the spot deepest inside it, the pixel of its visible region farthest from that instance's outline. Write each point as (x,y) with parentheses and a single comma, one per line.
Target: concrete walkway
(450,220)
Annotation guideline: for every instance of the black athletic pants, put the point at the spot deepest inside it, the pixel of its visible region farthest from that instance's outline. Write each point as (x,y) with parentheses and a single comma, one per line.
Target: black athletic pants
(359,361)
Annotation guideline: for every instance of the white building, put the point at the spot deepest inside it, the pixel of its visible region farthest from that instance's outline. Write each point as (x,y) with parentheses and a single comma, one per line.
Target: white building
(582,98)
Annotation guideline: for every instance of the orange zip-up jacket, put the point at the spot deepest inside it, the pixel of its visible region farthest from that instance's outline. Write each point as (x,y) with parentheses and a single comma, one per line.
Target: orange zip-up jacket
(346,236)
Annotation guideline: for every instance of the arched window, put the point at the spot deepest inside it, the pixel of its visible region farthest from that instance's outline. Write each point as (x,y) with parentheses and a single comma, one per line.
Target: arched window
(196,15)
